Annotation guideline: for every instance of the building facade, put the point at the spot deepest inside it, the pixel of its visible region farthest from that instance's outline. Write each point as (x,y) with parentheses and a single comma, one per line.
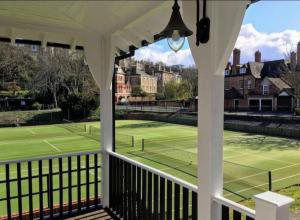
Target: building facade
(123,87)
(257,86)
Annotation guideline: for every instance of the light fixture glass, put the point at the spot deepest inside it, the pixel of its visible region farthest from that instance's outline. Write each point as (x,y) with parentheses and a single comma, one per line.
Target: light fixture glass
(176,31)
(176,42)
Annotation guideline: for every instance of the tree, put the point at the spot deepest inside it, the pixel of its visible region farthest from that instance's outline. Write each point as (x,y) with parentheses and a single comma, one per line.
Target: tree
(170,90)
(136,91)
(13,86)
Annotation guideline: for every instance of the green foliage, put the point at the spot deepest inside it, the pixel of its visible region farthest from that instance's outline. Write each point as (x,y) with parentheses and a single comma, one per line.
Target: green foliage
(78,105)
(177,90)
(36,106)
(137,91)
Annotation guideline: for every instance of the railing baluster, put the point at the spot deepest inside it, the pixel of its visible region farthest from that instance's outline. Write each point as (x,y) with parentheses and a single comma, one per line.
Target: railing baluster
(19,183)
(129,191)
(185,203)
(30,198)
(237,215)
(162,198)
(225,213)
(87,182)
(70,185)
(155,208)
(8,204)
(78,183)
(194,206)
(61,192)
(40,164)
(96,178)
(144,195)
(177,202)
(149,208)
(169,200)
(50,188)
(125,203)
(139,189)
(134,192)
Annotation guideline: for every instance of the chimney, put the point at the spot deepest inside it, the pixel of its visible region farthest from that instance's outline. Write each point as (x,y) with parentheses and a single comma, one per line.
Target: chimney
(298,54)
(257,56)
(293,60)
(236,56)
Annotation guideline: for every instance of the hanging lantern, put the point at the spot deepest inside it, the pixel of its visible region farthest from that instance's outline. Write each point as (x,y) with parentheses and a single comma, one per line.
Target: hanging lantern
(176,31)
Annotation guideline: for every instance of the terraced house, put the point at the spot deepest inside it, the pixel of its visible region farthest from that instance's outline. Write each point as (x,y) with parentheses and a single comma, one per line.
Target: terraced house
(260,85)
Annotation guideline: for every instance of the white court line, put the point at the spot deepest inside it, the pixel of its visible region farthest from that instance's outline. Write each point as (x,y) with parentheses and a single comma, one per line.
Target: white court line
(282,161)
(30,131)
(245,177)
(51,145)
(258,186)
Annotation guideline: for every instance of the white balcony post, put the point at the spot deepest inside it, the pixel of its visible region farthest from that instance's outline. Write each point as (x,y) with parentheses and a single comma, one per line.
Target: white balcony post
(272,206)
(211,59)
(106,140)
(99,52)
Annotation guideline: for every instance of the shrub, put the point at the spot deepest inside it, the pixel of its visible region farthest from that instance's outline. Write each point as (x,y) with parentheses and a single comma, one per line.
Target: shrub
(36,106)
(78,106)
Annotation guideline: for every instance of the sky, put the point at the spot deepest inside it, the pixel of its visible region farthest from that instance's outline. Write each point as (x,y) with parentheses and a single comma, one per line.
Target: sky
(273,27)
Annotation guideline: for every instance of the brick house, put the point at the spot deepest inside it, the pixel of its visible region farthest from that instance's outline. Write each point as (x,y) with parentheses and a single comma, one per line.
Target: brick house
(123,87)
(257,86)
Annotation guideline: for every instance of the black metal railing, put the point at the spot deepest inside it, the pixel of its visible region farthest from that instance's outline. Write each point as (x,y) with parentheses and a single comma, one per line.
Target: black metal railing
(141,192)
(51,187)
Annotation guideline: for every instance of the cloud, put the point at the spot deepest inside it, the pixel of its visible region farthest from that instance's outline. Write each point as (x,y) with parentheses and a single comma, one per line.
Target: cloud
(272,46)
(156,53)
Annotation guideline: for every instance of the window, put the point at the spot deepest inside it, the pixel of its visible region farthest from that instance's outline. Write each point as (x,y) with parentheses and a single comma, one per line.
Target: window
(34,48)
(243,70)
(265,90)
(249,84)
(226,85)
(226,72)
(241,83)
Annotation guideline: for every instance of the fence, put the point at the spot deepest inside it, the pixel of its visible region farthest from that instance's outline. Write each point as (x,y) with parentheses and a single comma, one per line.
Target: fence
(52,182)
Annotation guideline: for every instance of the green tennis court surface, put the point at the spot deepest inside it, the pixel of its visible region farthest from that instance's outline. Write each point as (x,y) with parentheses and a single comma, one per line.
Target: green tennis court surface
(168,147)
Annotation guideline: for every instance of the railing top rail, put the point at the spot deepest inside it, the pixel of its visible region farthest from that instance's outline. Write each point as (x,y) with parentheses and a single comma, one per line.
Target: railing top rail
(181,182)
(50,157)
(235,206)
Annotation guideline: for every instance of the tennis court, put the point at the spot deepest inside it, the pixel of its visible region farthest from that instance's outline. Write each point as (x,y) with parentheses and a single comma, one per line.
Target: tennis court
(172,148)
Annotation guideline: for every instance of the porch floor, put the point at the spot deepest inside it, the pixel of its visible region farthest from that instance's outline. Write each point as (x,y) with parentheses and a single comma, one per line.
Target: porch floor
(98,214)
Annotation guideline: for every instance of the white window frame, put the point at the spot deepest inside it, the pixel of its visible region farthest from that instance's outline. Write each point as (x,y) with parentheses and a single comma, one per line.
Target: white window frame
(266,91)
(249,84)
(243,70)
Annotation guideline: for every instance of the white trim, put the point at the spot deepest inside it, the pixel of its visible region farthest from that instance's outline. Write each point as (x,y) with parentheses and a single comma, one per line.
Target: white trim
(235,206)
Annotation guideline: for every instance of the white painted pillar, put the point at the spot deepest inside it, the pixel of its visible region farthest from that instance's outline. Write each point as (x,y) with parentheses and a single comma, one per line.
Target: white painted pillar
(106,140)
(211,58)
(259,105)
(272,206)
(99,52)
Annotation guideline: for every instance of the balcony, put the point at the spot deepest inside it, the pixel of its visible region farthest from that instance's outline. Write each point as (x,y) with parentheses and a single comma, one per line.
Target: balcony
(74,185)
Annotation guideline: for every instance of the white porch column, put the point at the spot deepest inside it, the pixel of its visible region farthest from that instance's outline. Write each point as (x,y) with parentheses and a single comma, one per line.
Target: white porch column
(211,58)
(99,53)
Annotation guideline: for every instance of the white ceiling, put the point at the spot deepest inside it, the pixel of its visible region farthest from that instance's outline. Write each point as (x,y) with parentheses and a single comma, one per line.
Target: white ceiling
(69,21)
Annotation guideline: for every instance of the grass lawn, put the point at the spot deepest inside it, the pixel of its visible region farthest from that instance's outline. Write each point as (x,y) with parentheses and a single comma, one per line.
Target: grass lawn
(168,147)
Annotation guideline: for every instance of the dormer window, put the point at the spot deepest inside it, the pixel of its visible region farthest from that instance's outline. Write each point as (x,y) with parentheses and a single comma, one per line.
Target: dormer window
(243,70)
(226,72)
(265,89)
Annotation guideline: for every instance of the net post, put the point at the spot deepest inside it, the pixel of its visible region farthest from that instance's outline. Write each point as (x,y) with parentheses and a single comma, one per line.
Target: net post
(85,130)
(270,180)
(143,144)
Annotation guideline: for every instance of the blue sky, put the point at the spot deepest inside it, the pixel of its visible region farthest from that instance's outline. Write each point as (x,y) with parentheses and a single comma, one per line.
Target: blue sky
(273,27)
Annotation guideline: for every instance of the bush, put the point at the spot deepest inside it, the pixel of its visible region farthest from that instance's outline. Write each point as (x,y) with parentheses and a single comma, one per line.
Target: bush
(36,106)
(78,106)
